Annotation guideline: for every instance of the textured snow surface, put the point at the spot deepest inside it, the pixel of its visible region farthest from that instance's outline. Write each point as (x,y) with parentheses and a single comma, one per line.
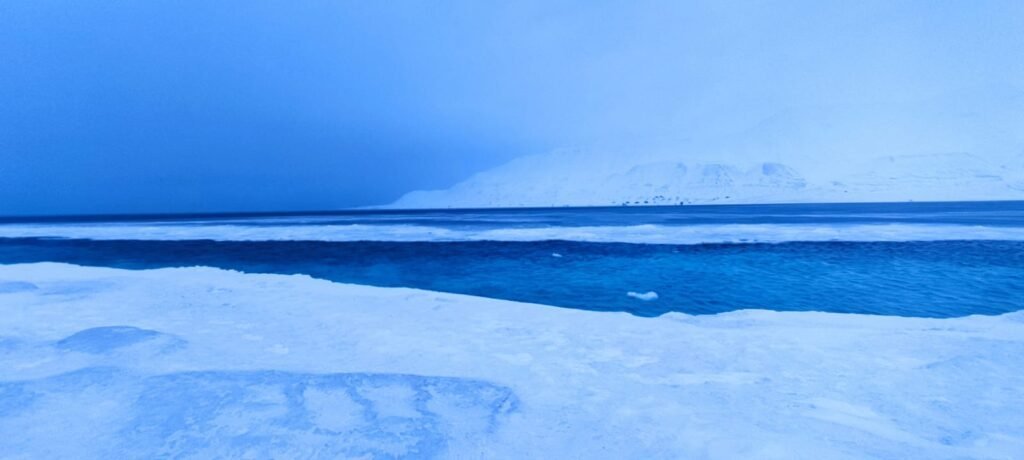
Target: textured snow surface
(206,363)
(645,233)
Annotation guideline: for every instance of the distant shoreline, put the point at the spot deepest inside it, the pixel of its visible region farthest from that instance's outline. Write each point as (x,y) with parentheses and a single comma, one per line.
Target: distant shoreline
(382,209)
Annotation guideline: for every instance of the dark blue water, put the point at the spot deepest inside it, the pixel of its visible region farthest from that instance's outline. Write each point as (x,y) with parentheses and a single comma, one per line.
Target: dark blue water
(909,278)
(932,279)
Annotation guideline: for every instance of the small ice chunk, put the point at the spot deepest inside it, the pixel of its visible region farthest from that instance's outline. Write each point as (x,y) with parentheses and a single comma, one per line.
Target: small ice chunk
(555,254)
(646,296)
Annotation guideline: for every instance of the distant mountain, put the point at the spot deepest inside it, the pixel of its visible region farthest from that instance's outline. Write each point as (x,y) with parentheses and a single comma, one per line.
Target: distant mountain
(561,179)
(962,145)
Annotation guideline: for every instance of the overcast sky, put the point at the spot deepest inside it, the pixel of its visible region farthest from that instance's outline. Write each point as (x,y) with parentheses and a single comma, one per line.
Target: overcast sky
(199,106)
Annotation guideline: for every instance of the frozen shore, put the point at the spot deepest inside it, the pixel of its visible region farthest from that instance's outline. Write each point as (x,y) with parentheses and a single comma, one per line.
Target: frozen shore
(105,363)
(638,234)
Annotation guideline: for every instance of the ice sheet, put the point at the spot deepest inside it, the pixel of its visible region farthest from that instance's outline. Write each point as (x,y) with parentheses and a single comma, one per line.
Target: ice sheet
(107,363)
(663,234)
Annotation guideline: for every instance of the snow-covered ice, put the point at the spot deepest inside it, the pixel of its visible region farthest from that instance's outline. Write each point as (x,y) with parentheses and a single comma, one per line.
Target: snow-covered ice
(206,363)
(644,233)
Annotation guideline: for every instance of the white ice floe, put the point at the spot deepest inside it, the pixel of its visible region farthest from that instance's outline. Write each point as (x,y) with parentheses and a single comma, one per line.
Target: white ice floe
(648,233)
(107,363)
(647,296)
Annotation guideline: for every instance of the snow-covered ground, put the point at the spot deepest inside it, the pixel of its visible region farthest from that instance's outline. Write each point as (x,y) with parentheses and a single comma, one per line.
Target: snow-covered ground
(205,363)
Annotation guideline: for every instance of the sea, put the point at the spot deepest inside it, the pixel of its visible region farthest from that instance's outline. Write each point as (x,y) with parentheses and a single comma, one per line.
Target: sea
(906,259)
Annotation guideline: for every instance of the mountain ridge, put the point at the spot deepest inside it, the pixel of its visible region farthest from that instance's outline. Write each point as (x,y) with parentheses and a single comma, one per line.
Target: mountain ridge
(546,180)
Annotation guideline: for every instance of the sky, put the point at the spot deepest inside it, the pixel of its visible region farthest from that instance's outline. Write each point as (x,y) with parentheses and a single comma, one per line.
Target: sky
(196,106)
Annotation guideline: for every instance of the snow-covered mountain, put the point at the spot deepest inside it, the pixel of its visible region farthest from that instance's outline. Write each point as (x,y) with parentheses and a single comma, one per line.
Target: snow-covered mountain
(964,145)
(562,179)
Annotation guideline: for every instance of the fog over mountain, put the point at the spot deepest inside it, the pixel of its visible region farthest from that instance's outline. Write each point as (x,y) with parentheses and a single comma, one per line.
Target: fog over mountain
(258,105)
(961,145)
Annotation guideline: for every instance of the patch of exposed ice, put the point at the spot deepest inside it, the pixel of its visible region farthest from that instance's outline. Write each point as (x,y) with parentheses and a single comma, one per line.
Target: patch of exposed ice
(16,286)
(112,413)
